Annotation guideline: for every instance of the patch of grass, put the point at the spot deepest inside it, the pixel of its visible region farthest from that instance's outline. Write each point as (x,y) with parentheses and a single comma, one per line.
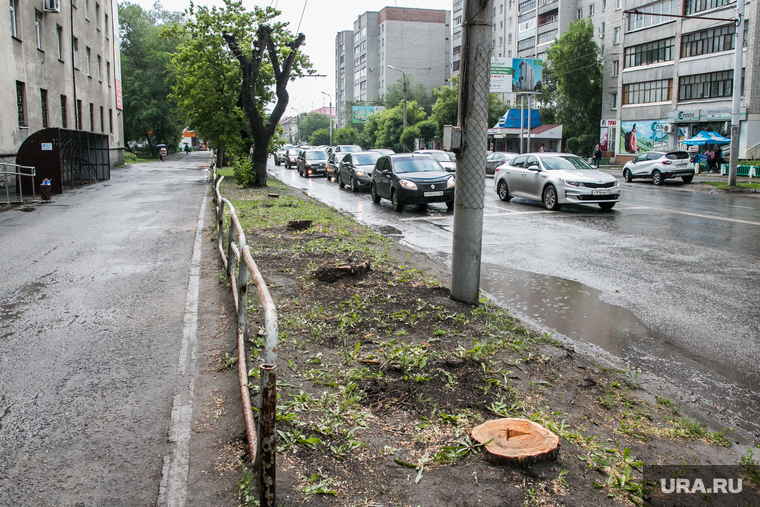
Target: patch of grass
(686,427)
(751,467)
(133,158)
(665,402)
(724,186)
(318,484)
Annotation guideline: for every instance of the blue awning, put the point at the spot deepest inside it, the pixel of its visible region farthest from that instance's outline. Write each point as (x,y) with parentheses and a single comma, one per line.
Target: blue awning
(706,137)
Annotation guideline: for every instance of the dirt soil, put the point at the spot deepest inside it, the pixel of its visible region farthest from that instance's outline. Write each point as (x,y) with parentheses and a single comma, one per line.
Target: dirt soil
(381,377)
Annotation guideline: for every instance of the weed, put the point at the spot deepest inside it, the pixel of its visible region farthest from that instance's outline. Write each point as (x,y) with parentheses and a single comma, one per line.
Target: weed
(245,487)
(751,467)
(686,427)
(229,361)
(674,407)
(318,484)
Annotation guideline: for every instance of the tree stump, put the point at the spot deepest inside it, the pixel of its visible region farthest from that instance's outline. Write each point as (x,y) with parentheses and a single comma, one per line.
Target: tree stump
(298,225)
(332,273)
(516,442)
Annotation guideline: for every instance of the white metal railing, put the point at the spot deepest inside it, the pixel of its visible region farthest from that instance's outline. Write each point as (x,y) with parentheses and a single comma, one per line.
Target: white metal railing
(16,173)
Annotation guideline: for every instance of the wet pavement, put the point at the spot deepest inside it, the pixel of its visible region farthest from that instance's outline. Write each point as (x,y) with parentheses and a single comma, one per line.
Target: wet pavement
(667,280)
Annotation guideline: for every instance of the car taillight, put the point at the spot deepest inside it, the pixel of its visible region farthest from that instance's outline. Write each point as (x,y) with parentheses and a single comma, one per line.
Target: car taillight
(667,162)
(496,170)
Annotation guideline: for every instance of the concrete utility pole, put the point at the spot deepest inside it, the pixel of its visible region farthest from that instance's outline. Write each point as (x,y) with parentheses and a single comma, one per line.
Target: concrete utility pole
(404,74)
(469,198)
(329,115)
(736,106)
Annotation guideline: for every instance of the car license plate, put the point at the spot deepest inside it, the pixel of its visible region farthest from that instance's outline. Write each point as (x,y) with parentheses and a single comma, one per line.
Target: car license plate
(600,192)
(433,194)
(682,164)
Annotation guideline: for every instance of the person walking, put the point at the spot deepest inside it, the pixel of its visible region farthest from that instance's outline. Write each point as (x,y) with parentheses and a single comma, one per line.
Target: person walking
(162,153)
(711,161)
(597,156)
(187,149)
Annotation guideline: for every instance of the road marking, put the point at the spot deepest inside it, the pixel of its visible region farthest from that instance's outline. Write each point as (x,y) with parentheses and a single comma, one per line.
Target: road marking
(173,487)
(734,206)
(691,214)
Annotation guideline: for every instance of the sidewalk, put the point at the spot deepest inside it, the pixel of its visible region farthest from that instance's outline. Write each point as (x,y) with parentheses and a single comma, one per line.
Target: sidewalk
(617,171)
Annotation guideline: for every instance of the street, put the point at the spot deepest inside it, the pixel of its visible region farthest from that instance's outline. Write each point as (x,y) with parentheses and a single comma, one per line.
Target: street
(99,353)
(667,280)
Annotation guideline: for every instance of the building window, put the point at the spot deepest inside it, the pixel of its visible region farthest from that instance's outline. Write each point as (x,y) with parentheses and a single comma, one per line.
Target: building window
(650,15)
(650,91)
(92,117)
(579,14)
(457,50)
(64,118)
(604,5)
(75,42)
(102,125)
(526,6)
(509,23)
(59,41)
(501,41)
(547,36)
(97,16)
(87,10)
(38,28)
(652,52)
(713,40)
(21,103)
(617,4)
(509,54)
(87,54)
(526,43)
(501,8)
(105,26)
(108,73)
(692,6)
(455,66)
(614,101)
(79,114)
(604,28)
(706,86)
(616,37)
(591,10)
(14,18)
(615,68)
(98,69)
(110,121)
(510,38)
(44,108)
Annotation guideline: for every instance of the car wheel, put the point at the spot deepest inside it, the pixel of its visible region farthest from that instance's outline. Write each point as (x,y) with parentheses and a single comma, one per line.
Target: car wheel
(397,205)
(450,204)
(276,161)
(373,193)
(551,202)
(353,186)
(606,205)
(340,181)
(657,177)
(687,179)
(503,191)
(627,176)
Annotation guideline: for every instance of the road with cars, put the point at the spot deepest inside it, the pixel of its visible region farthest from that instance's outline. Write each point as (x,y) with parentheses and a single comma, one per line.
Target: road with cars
(666,281)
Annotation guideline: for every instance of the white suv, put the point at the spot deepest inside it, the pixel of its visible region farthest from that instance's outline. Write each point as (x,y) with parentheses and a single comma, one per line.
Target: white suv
(660,165)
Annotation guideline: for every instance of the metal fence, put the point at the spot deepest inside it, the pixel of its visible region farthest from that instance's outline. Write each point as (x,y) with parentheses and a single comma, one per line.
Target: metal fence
(10,174)
(238,263)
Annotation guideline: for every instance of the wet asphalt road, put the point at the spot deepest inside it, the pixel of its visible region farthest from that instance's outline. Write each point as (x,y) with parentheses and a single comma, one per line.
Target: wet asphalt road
(92,300)
(667,280)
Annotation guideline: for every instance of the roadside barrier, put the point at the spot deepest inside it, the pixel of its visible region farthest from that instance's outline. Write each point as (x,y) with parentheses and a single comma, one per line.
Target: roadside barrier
(741,170)
(16,173)
(238,263)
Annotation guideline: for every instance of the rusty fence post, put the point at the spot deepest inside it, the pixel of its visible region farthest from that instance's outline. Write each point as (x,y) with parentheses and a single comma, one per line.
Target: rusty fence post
(267,440)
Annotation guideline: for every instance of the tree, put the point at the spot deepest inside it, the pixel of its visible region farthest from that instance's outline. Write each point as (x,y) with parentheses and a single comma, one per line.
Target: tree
(390,125)
(347,135)
(311,122)
(446,107)
(427,130)
(572,86)
(145,58)
(268,56)
(320,137)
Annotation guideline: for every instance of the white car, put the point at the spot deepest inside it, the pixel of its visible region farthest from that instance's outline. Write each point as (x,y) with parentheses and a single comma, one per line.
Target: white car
(659,166)
(555,179)
(445,158)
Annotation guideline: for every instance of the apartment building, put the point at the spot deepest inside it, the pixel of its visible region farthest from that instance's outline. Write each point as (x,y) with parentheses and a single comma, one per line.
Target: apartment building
(414,41)
(60,68)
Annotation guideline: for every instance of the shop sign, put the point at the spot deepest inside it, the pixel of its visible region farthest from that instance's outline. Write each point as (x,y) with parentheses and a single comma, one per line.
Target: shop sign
(608,123)
(723,113)
(686,116)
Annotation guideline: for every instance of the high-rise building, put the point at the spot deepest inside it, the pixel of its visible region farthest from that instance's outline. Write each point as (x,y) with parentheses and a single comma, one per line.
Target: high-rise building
(414,41)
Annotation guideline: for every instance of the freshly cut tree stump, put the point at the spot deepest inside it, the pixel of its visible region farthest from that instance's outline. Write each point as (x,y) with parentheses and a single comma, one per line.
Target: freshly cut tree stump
(516,442)
(298,225)
(332,273)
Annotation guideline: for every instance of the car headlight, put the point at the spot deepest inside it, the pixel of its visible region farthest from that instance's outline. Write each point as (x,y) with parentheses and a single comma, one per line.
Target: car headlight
(451,182)
(572,183)
(408,184)
(361,174)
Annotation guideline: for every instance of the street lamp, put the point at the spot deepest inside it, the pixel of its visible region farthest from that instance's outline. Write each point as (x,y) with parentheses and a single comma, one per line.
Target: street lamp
(404,74)
(330,115)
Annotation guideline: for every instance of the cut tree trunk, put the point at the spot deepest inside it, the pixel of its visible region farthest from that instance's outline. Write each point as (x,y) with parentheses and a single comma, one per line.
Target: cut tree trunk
(332,273)
(516,442)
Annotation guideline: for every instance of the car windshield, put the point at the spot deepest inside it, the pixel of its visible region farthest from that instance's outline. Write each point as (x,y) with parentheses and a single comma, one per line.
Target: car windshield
(350,148)
(439,156)
(366,158)
(415,165)
(286,147)
(677,155)
(293,152)
(565,163)
(316,155)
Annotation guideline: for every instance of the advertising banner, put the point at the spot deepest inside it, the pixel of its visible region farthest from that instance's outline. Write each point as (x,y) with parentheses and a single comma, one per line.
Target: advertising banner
(501,75)
(116,54)
(640,136)
(361,113)
(527,75)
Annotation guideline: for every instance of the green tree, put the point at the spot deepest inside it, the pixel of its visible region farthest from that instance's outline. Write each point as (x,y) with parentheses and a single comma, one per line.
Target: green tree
(146,76)
(346,135)
(311,122)
(408,138)
(446,107)
(572,86)
(427,130)
(390,125)
(320,137)
(269,57)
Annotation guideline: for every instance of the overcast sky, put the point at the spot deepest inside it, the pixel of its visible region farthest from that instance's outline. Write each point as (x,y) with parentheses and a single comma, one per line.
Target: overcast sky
(322,19)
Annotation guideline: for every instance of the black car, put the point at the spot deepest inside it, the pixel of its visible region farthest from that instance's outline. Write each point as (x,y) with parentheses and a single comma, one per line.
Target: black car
(355,170)
(333,164)
(291,157)
(312,162)
(411,178)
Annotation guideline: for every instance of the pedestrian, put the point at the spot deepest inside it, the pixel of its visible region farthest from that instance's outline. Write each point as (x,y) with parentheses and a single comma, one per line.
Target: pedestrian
(711,161)
(719,158)
(597,156)
(162,153)
(187,148)
(541,149)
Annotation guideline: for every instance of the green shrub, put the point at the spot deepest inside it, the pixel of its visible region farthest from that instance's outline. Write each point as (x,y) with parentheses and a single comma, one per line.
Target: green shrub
(242,169)
(130,158)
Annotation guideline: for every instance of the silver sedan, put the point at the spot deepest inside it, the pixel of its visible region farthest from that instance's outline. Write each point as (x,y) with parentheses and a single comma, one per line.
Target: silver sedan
(555,179)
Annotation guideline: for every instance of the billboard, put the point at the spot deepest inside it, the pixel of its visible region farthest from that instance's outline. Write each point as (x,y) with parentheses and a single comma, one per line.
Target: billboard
(516,75)
(360,114)
(116,55)
(639,136)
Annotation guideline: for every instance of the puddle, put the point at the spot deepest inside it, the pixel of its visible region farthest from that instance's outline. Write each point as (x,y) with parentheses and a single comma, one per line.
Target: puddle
(575,310)
(11,310)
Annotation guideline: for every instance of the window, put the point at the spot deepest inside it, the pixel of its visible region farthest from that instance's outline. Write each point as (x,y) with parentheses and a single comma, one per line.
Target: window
(705,86)
(652,17)
(526,44)
(510,38)
(579,14)
(604,28)
(102,125)
(79,114)
(510,21)
(110,121)
(105,26)
(526,6)
(604,5)
(455,66)
(692,6)
(501,25)
(501,8)
(616,38)
(97,16)
(617,4)
(21,103)
(98,70)
(75,42)
(615,68)
(501,41)
(108,73)
(38,28)
(64,118)
(591,10)
(547,36)
(652,52)
(614,101)
(457,50)
(713,40)
(59,41)
(650,91)
(509,54)
(44,108)
(92,117)
(87,10)
(14,18)
(87,54)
